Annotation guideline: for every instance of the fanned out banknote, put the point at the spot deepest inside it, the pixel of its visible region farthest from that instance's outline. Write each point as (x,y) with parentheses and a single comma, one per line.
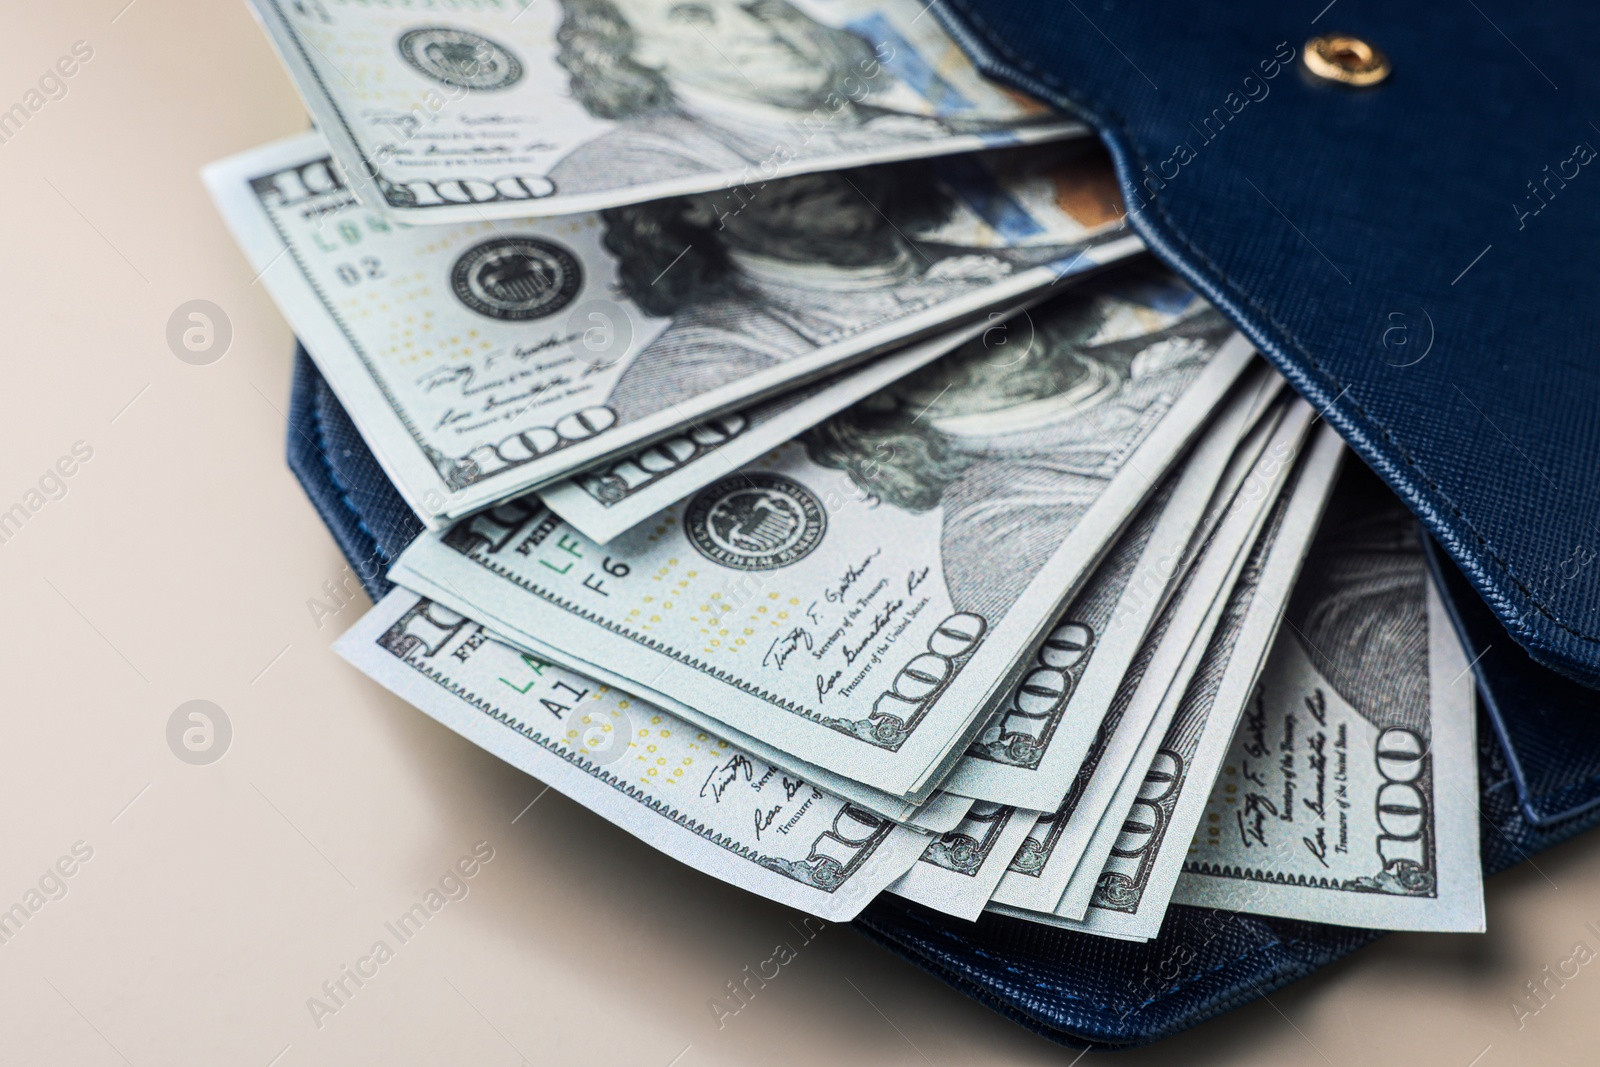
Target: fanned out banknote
(485,359)
(688,793)
(1130,894)
(1120,825)
(859,598)
(1043,869)
(1349,793)
(939,813)
(960,872)
(959,869)
(610,500)
(503,109)
(1030,752)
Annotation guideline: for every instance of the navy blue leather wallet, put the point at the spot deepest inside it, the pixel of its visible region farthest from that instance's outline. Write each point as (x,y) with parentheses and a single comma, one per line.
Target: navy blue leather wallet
(1418,258)
(1539,771)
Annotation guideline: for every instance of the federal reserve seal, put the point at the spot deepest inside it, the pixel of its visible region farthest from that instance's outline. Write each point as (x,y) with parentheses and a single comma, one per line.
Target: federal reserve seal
(460,59)
(755,522)
(516,278)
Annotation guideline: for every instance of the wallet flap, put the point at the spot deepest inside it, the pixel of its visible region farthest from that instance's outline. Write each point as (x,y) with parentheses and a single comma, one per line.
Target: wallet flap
(1417,257)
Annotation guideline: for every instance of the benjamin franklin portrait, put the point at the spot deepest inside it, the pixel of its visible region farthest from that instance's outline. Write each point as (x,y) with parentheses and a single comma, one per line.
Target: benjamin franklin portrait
(754,277)
(700,85)
(1015,446)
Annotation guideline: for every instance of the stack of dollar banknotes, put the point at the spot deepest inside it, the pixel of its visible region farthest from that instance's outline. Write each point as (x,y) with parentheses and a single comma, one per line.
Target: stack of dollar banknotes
(821,484)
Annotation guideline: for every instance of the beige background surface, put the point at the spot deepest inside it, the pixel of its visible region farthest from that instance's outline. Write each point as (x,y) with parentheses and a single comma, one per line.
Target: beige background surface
(219,898)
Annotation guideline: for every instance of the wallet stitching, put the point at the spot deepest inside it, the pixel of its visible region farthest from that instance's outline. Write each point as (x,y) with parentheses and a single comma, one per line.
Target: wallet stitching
(989,35)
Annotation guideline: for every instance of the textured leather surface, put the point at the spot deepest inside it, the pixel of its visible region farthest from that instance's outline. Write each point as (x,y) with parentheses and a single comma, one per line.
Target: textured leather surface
(1348,232)
(1538,778)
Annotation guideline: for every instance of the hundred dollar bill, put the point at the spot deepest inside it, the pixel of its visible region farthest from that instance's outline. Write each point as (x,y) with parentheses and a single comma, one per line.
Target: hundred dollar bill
(613,499)
(501,109)
(1046,863)
(938,814)
(860,598)
(486,359)
(958,871)
(1029,753)
(1180,760)
(1349,793)
(1106,836)
(686,792)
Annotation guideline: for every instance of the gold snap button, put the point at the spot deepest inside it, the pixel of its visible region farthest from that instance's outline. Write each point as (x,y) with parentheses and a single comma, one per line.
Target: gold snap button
(1338,57)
